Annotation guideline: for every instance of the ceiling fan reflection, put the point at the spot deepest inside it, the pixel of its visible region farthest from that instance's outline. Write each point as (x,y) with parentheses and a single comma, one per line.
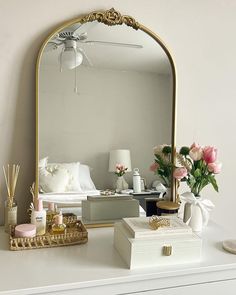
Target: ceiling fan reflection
(70,40)
(72,55)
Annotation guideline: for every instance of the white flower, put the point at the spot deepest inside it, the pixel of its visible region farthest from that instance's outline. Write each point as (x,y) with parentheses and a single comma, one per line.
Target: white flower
(196,153)
(158,149)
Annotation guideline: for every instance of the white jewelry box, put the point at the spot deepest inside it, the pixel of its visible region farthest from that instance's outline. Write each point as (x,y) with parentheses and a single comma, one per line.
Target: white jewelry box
(109,208)
(148,248)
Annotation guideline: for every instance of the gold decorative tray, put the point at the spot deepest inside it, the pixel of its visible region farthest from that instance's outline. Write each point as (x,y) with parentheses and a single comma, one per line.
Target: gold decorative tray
(69,218)
(75,233)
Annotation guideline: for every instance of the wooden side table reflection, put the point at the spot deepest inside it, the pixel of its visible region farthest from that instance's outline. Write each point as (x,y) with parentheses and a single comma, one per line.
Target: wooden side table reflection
(144,196)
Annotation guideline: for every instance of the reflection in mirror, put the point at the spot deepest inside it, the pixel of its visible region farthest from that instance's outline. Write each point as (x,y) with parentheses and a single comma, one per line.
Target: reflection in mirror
(105,94)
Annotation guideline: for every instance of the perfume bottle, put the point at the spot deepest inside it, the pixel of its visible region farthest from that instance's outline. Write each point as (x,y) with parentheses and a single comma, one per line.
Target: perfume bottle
(51,212)
(10,213)
(38,217)
(58,227)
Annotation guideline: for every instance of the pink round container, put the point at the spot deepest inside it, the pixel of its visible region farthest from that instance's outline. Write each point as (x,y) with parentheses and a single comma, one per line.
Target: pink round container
(25,230)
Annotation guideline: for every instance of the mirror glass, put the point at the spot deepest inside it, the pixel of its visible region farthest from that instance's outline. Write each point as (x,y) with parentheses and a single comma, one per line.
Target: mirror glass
(101,88)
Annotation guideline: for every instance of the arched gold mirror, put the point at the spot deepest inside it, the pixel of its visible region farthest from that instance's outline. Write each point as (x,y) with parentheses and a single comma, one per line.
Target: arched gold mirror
(104,83)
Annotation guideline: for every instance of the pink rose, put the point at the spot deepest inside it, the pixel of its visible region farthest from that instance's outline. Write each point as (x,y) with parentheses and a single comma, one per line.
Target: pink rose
(209,154)
(180,173)
(154,167)
(194,145)
(118,166)
(214,167)
(196,153)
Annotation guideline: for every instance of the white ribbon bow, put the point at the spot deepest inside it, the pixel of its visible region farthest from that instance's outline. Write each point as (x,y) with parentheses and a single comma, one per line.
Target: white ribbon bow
(205,206)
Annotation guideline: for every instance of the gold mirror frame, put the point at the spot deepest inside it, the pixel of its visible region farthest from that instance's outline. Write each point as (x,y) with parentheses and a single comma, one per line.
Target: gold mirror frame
(112,17)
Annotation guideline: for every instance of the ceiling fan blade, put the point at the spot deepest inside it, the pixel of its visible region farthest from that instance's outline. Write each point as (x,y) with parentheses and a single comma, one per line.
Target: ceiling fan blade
(67,33)
(86,58)
(52,46)
(82,36)
(70,29)
(114,44)
(84,28)
(54,37)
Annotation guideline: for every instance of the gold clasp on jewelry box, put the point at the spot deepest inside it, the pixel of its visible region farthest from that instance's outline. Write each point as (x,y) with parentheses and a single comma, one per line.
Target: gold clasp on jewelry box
(167,250)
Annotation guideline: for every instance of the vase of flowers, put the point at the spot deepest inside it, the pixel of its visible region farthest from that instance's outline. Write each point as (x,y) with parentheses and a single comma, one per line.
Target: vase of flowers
(198,169)
(162,166)
(121,183)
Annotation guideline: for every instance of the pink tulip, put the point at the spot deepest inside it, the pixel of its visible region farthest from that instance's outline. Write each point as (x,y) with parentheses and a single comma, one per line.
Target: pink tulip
(214,167)
(209,154)
(194,145)
(196,153)
(154,167)
(180,173)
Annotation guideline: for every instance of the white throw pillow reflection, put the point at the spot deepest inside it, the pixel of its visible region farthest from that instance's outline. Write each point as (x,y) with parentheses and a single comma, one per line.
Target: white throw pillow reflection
(55,181)
(85,179)
(73,184)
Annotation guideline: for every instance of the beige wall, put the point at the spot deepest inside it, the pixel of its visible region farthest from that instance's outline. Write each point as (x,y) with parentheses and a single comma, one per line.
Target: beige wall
(201,36)
(114,109)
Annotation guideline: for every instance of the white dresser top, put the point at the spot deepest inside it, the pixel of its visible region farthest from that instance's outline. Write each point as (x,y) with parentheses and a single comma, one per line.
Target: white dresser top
(97,266)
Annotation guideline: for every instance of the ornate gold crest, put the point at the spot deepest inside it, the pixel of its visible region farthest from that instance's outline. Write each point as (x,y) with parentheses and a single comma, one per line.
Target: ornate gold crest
(111,17)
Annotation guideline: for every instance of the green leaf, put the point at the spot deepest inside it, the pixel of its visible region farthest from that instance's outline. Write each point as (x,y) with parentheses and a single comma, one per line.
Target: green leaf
(212,180)
(197,164)
(191,181)
(203,183)
(161,172)
(197,173)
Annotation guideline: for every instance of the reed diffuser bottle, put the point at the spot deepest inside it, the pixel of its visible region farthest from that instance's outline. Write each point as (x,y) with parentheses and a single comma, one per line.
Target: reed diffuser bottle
(10,210)
(10,213)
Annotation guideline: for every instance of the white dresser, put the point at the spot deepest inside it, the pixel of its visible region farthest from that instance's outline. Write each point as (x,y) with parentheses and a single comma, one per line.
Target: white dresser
(96,268)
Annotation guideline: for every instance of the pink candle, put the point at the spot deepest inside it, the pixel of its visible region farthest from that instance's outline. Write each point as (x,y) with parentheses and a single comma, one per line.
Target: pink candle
(25,230)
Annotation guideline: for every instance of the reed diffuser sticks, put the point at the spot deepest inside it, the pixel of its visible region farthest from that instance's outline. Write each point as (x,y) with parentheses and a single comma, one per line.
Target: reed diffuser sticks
(11,174)
(32,191)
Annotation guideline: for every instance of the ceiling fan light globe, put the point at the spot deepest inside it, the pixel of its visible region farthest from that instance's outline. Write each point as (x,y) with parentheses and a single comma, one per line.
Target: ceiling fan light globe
(70,59)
